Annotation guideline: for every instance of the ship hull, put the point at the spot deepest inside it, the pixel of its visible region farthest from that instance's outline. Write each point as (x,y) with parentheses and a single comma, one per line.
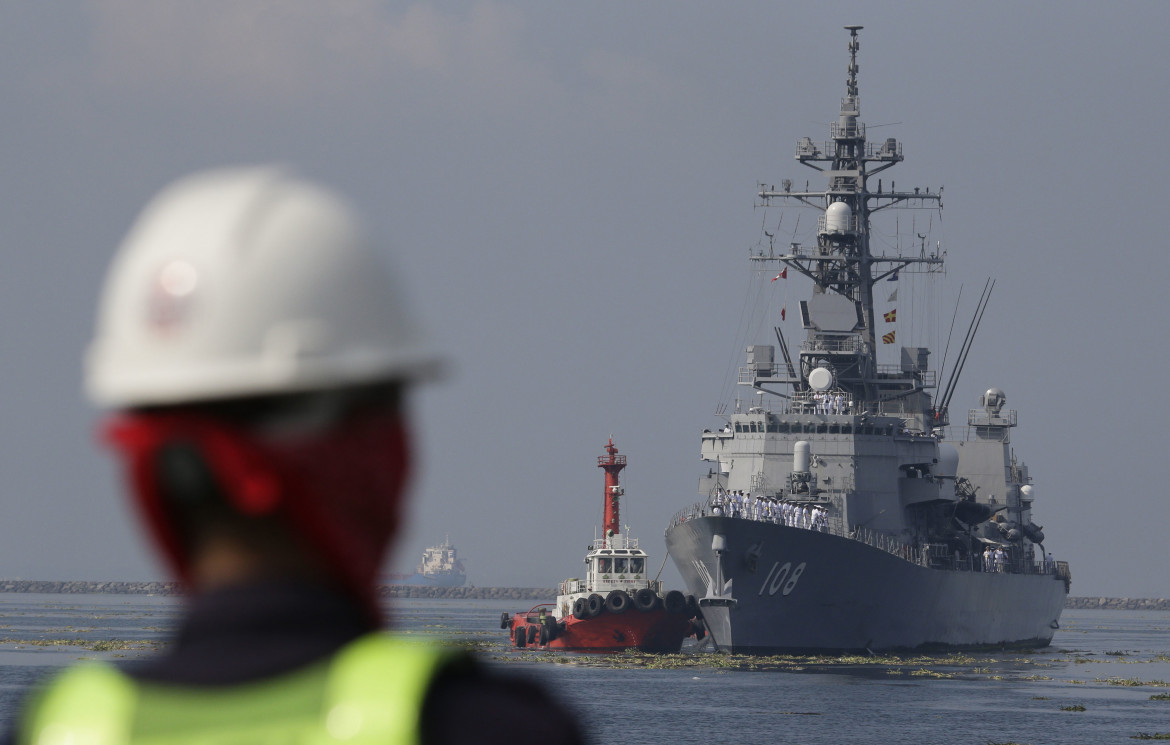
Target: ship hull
(655,632)
(436,580)
(794,590)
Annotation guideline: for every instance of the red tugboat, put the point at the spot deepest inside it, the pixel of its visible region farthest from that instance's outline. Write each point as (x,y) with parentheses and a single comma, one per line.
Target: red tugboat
(617,606)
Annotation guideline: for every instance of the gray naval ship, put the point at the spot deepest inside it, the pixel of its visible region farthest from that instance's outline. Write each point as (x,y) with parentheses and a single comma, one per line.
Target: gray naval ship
(844,510)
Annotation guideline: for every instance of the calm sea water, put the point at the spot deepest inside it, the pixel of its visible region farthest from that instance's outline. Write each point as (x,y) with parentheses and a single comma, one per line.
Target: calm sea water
(1108,662)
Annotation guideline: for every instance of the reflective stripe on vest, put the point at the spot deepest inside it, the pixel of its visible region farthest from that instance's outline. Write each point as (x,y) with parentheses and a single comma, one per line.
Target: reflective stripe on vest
(371,692)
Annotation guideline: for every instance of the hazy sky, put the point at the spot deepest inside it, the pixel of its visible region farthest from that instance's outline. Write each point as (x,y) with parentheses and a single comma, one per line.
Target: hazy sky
(569,188)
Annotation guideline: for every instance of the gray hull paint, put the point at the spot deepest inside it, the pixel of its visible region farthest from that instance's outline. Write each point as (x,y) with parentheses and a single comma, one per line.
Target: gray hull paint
(850,596)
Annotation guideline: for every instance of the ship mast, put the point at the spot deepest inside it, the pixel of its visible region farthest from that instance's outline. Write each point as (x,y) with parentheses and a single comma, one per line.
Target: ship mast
(840,316)
(611,512)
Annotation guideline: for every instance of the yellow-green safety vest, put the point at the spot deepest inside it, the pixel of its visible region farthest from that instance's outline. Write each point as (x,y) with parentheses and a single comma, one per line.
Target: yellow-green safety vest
(370,692)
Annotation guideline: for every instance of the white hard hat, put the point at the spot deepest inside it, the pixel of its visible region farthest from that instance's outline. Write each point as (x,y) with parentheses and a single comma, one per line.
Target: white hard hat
(247,281)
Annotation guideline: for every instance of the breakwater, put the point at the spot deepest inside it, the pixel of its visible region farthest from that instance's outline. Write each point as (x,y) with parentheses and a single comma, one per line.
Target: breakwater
(174,588)
(468,593)
(1084,603)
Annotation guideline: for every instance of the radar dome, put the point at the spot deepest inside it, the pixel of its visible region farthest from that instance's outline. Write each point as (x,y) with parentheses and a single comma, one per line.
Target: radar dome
(820,379)
(838,218)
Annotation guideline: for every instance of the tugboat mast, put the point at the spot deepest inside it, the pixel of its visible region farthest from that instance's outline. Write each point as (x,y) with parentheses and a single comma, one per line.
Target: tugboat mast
(611,513)
(840,316)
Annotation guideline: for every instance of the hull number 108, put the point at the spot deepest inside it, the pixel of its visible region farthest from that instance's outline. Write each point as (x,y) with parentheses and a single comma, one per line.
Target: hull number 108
(782,578)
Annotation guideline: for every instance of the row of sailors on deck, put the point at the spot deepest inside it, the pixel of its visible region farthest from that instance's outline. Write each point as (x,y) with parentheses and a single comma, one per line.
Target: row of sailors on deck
(994,559)
(769,509)
(831,403)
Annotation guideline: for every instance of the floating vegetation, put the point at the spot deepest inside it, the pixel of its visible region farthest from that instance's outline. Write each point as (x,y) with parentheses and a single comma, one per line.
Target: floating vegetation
(1116,657)
(1025,667)
(1133,682)
(1073,707)
(1160,697)
(1149,736)
(1041,698)
(477,646)
(924,673)
(93,645)
(917,665)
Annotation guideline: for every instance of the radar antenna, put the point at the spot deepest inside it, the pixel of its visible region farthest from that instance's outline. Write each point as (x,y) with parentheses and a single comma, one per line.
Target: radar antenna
(854,45)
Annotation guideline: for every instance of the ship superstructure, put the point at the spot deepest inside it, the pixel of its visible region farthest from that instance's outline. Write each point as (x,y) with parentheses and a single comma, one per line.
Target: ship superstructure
(843,509)
(440,567)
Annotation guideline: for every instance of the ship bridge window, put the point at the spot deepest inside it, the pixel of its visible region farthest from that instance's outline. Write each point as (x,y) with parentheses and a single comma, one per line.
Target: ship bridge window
(773,427)
(620,565)
(604,565)
(753,427)
(738,427)
(637,565)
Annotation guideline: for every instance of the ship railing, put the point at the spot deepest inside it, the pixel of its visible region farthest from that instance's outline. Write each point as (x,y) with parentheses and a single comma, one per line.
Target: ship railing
(1013,561)
(891,544)
(603,586)
(850,130)
(936,556)
(890,149)
(749,374)
(617,541)
(833,402)
(720,506)
(571,586)
(928,377)
(984,418)
(855,225)
(826,344)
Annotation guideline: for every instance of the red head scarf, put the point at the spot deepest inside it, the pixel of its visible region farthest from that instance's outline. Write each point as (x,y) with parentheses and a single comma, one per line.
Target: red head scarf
(338,489)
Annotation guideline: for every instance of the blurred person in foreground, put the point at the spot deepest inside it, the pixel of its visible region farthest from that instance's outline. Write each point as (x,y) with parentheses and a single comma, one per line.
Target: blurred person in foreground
(256,353)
